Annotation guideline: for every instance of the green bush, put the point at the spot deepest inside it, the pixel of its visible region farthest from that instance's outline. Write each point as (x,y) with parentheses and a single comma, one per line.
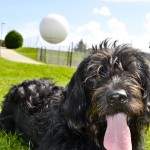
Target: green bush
(13,40)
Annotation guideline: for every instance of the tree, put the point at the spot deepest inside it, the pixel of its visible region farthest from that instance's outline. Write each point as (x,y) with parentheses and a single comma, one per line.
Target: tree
(13,40)
(81,46)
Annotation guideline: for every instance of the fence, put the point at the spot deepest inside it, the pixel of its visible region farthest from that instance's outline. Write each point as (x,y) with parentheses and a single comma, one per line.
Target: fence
(58,57)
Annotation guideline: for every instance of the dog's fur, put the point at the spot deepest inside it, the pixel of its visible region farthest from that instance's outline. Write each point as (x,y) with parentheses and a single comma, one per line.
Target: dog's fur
(74,118)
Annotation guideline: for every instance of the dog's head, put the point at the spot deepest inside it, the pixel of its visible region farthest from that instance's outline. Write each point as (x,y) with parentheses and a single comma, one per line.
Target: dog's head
(112,79)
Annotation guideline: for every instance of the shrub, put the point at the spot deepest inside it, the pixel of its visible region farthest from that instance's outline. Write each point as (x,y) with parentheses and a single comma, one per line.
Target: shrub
(13,40)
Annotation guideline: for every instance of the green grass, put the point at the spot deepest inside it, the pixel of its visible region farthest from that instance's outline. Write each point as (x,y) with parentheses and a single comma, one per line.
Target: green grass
(12,142)
(12,72)
(147,141)
(53,56)
(28,51)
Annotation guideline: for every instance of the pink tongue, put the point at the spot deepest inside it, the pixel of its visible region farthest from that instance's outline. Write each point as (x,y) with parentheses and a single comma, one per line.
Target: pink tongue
(117,136)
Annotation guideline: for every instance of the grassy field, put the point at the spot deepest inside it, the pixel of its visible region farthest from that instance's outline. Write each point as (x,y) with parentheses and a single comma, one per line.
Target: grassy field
(12,73)
(53,56)
(28,51)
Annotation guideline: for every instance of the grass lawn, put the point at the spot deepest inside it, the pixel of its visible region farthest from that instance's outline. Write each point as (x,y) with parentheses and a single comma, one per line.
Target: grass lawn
(28,51)
(52,56)
(13,72)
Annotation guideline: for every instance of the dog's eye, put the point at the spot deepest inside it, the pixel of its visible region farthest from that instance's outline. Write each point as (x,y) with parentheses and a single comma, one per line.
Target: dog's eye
(103,71)
(92,82)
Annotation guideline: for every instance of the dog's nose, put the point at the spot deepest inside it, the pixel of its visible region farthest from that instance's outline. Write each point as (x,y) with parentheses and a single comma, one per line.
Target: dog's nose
(117,97)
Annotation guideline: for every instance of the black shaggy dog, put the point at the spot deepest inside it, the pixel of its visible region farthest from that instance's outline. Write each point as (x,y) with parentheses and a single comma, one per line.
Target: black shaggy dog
(106,105)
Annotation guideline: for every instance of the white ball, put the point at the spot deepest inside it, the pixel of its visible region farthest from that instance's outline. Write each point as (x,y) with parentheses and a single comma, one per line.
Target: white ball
(54,28)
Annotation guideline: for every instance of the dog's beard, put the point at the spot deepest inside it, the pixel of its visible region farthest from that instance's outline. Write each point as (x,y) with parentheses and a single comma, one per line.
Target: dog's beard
(117,135)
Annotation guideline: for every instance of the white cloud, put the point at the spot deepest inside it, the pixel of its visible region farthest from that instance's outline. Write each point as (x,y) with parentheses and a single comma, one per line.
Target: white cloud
(116,25)
(147,22)
(103,11)
(117,29)
(141,42)
(91,33)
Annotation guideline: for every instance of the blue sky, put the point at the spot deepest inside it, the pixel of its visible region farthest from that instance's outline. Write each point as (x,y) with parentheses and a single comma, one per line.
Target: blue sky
(127,21)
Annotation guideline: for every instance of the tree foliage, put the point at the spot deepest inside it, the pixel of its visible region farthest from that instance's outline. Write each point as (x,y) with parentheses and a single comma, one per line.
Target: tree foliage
(81,46)
(13,39)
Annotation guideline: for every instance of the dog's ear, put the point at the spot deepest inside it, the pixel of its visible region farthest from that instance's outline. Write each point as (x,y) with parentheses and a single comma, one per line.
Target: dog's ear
(145,81)
(75,104)
(146,97)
